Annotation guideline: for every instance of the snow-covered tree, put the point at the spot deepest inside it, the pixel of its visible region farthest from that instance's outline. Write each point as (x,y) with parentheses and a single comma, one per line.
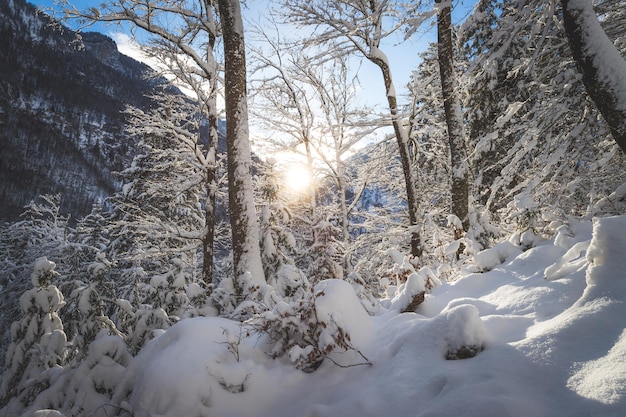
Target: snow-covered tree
(244,225)
(359,28)
(536,138)
(323,257)
(43,231)
(91,301)
(309,330)
(345,125)
(314,104)
(38,340)
(603,68)
(87,387)
(188,32)
(278,244)
(282,100)
(159,214)
(454,118)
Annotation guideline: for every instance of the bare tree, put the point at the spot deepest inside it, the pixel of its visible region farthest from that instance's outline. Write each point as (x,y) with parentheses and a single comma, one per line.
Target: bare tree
(314,104)
(454,117)
(599,61)
(183,34)
(185,48)
(284,104)
(343,126)
(358,27)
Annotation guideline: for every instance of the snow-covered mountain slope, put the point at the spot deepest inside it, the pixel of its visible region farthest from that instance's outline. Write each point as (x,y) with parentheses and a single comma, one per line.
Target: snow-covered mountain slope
(61,97)
(550,321)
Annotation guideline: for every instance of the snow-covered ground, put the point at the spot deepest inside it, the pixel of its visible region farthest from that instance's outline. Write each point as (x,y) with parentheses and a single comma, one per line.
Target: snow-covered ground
(551,319)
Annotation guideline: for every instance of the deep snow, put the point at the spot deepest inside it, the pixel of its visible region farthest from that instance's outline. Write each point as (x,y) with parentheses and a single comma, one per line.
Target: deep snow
(551,319)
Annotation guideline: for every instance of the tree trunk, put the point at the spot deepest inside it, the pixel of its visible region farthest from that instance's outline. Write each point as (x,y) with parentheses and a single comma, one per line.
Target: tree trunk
(310,172)
(341,185)
(402,137)
(243,219)
(208,238)
(454,118)
(602,67)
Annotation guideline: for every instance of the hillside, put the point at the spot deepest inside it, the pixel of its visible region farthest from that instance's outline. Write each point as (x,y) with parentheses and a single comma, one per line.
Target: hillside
(548,320)
(61,97)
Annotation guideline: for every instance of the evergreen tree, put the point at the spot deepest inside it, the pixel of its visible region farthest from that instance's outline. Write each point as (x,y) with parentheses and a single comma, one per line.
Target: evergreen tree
(278,244)
(43,231)
(536,138)
(38,340)
(158,214)
(91,300)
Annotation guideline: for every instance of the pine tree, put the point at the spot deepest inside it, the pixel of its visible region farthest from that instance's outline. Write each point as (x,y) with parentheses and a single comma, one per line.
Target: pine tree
(537,140)
(38,340)
(92,300)
(43,231)
(158,214)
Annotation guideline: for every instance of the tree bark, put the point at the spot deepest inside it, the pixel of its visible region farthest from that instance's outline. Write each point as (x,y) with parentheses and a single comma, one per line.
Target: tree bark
(243,219)
(402,137)
(208,239)
(454,118)
(599,61)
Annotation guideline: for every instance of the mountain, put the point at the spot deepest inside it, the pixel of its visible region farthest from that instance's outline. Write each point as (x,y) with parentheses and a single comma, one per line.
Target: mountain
(61,100)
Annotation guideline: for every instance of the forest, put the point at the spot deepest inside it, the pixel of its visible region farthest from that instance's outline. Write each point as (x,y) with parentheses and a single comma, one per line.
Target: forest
(471,222)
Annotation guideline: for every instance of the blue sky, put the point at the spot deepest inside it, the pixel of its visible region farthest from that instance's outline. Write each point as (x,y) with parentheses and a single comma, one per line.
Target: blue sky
(403,57)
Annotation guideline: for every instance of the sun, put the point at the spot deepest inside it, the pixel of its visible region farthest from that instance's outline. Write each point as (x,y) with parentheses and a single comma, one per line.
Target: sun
(297,179)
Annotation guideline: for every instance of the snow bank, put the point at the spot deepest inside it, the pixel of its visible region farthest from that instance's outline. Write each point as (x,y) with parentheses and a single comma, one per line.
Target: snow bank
(186,370)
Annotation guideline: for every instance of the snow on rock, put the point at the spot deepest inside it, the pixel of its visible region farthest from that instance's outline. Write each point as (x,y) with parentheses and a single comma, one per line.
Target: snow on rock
(417,285)
(340,305)
(414,286)
(489,258)
(466,333)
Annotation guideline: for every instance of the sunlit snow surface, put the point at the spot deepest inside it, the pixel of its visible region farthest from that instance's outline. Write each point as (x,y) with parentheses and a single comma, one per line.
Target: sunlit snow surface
(553,347)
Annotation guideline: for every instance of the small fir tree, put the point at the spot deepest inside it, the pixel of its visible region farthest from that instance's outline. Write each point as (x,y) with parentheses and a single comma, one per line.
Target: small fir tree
(38,340)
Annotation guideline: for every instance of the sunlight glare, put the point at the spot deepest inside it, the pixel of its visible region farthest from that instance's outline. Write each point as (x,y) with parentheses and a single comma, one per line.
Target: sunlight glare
(297,179)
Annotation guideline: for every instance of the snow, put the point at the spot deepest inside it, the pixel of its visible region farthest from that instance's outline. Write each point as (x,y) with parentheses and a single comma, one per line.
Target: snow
(489,258)
(546,325)
(610,64)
